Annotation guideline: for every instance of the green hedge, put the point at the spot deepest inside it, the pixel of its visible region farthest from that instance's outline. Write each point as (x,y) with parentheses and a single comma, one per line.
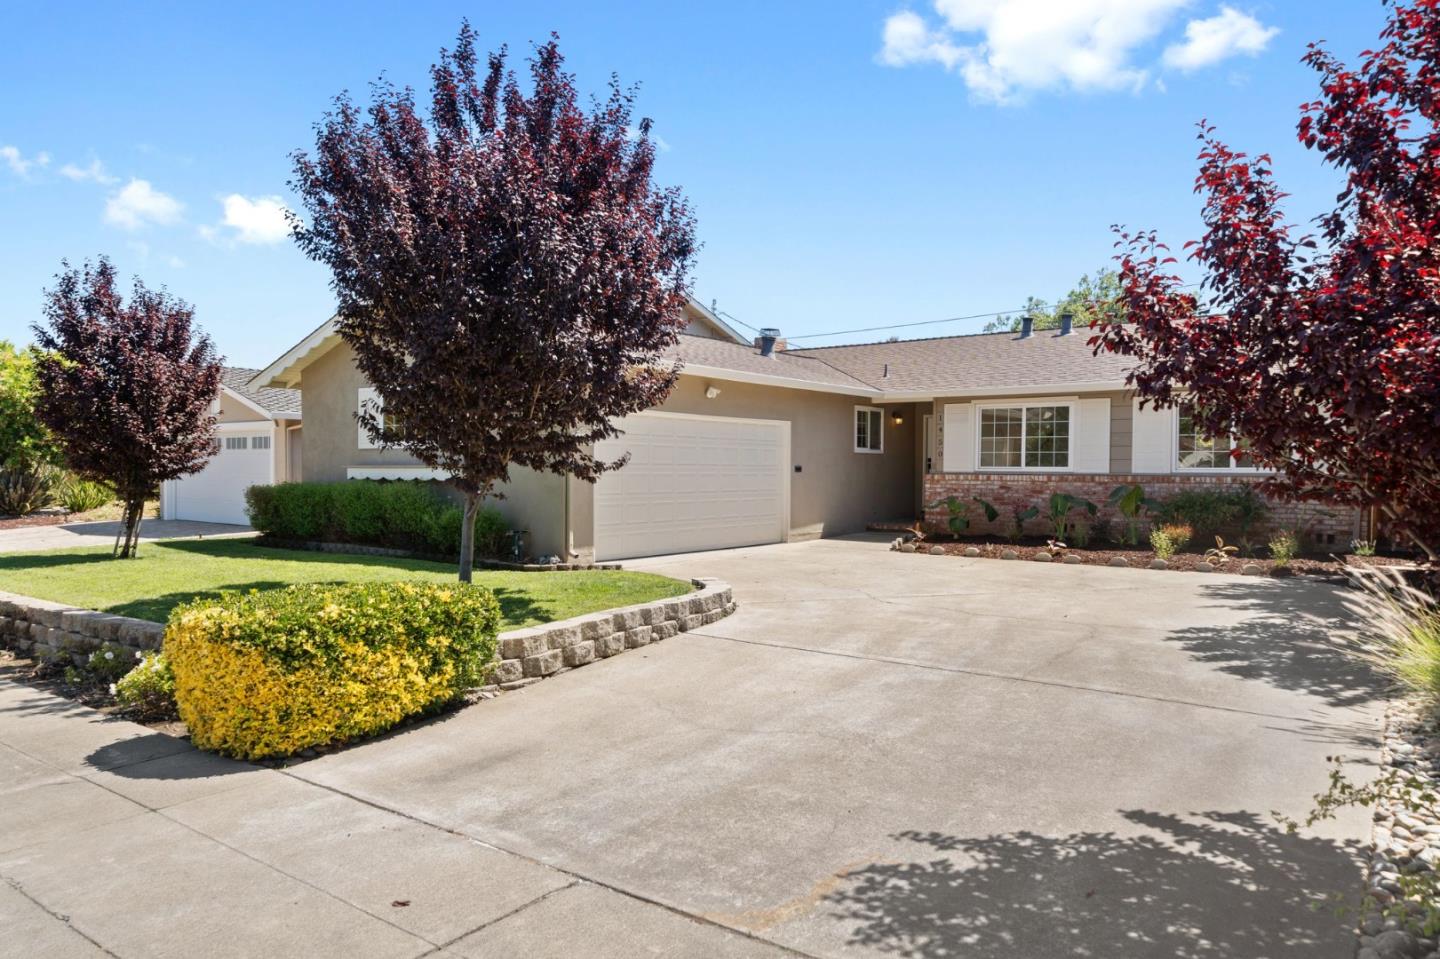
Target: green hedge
(273,672)
(401,515)
(1212,512)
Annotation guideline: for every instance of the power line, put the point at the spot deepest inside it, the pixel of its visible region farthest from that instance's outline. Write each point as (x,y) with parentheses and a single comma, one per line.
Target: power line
(902,326)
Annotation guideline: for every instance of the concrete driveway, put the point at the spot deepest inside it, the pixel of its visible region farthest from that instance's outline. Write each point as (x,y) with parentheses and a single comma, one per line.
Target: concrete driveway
(878,754)
(28,539)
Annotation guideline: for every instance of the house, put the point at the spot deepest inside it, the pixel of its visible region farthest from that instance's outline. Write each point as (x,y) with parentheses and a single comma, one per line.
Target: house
(760,443)
(258,442)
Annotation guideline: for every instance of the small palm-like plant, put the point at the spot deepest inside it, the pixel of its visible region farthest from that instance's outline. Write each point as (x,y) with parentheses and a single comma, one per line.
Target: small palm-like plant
(1130,502)
(958,520)
(1219,555)
(1061,505)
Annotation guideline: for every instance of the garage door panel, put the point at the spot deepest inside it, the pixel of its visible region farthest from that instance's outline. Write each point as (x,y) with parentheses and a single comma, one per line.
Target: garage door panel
(692,484)
(216,494)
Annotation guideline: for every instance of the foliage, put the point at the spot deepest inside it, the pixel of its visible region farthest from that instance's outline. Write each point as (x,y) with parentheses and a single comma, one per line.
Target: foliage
(1094,299)
(111,661)
(148,689)
(1160,541)
(81,495)
(1401,637)
(1019,515)
(270,673)
(125,387)
(1284,546)
(958,520)
(565,269)
(1220,554)
(1080,533)
(1130,501)
(26,488)
(398,515)
(1322,352)
(1179,533)
(1061,506)
(1362,547)
(176,571)
(24,441)
(1417,907)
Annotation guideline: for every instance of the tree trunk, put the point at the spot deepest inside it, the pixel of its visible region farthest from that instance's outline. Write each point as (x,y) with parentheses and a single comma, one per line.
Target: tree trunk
(467,536)
(133,510)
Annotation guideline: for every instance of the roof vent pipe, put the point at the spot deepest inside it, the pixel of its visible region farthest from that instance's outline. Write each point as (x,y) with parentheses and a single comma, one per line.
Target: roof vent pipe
(1027,326)
(1067,323)
(767,339)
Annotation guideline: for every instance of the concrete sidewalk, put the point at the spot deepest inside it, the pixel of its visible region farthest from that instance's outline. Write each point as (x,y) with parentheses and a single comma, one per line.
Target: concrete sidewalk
(29,539)
(116,841)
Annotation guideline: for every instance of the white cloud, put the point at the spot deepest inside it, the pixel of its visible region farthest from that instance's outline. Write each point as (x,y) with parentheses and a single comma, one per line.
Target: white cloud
(95,171)
(17,162)
(1006,50)
(1216,38)
(138,203)
(259,221)
(175,262)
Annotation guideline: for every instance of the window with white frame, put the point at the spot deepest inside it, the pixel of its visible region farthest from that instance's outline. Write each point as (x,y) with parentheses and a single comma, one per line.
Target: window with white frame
(1025,437)
(259,442)
(869,429)
(237,442)
(1196,451)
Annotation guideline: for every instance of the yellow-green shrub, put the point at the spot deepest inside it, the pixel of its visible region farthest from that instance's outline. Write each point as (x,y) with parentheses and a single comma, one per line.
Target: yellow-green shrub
(270,673)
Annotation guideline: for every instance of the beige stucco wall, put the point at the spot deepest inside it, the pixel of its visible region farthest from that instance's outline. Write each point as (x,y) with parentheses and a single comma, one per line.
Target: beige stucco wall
(330,445)
(232,411)
(1121,417)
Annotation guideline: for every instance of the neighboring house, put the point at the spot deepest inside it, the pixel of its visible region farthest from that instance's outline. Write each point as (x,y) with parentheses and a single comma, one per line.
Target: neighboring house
(761,444)
(258,443)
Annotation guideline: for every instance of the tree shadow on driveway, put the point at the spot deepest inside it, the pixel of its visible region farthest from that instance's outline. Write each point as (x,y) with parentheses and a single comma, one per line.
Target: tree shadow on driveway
(1294,637)
(1205,885)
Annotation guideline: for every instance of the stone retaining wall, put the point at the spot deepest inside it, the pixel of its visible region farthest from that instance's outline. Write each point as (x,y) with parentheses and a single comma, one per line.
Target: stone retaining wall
(44,630)
(1320,524)
(54,631)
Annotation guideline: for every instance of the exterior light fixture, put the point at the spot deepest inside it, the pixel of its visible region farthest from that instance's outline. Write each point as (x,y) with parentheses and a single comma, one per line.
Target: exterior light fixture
(897,417)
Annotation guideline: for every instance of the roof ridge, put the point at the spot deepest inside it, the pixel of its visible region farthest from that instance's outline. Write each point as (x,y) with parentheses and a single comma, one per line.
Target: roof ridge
(918,339)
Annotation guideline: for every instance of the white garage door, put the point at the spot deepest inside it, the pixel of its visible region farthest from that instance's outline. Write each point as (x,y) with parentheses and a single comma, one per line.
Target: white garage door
(692,483)
(216,494)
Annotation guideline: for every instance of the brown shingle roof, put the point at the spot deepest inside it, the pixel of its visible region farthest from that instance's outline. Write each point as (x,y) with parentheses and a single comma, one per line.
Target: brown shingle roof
(978,361)
(703,351)
(269,398)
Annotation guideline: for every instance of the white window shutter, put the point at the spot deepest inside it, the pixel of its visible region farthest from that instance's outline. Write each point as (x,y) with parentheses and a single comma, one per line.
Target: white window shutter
(367,395)
(1090,441)
(1152,440)
(958,438)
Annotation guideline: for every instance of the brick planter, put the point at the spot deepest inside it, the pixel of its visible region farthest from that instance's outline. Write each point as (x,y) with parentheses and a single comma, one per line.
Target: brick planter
(1322,524)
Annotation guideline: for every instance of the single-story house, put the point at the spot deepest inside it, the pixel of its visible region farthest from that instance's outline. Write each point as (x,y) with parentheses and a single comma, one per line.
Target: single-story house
(760,443)
(257,443)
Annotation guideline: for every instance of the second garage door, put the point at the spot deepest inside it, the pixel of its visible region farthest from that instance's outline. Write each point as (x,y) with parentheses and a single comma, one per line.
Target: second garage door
(692,483)
(216,494)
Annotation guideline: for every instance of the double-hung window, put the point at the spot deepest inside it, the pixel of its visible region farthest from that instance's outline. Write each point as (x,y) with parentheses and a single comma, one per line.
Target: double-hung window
(1025,437)
(1196,451)
(869,429)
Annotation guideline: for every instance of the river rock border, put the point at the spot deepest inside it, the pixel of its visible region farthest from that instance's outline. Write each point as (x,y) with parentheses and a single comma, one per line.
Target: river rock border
(528,655)
(55,632)
(50,631)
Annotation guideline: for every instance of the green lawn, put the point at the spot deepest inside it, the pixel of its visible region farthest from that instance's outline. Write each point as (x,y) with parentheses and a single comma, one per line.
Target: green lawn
(168,573)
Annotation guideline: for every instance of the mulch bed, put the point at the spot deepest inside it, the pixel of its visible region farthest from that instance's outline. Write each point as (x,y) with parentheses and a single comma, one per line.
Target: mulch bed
(1327,566)
(34,519)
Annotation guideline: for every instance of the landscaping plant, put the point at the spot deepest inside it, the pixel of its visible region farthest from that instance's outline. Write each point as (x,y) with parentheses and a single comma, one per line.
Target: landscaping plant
(26,488)
(270,673)
(24,441)
(81,496)
(125,387)
(1284,546)
(1178,533)
(1352,422)
(148,690)
(1161,542)
(565,268)
(1362,547)
(1061,506)
(958,518)
(1130,502)
(1019,515)
(1220,554)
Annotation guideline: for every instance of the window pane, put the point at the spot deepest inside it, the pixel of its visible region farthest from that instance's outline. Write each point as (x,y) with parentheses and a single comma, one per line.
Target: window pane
(877,421)
(1195,450)
(1000,438)
(1047,436)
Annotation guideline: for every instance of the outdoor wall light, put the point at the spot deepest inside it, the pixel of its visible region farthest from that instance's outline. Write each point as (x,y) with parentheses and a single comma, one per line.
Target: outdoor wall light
(711,392)
(897,418)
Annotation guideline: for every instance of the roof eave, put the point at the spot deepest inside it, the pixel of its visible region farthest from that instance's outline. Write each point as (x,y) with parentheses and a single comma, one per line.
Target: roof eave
(285,372)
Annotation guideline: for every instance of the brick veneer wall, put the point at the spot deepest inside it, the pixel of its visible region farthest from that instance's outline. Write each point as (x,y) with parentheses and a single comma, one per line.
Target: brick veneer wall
(1321,524)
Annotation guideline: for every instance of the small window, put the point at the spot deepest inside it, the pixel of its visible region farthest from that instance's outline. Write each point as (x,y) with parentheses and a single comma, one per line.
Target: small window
(237,442)
(869,429)
(1025,437)
(1196,451)
(259,442)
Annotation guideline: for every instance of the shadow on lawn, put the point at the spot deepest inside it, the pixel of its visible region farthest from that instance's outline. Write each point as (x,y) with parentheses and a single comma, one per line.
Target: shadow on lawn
(1203,885)
(1291,634)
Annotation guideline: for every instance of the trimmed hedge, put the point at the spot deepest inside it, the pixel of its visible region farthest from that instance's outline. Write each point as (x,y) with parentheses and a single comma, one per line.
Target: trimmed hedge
(396,514)
(270,673)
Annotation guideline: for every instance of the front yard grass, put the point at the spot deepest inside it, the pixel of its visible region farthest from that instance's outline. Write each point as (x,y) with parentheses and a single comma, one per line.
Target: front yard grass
(168,573)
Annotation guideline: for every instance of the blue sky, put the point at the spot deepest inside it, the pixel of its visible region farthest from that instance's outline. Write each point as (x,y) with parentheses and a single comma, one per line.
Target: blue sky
(851,165)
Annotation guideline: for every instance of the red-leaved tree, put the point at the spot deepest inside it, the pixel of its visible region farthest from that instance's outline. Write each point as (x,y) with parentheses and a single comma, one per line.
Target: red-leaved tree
(125,387)
(1322,352)
(508,275)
